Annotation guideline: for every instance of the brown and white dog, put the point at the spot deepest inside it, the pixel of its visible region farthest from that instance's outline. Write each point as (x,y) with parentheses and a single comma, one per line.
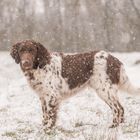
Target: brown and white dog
(55,76)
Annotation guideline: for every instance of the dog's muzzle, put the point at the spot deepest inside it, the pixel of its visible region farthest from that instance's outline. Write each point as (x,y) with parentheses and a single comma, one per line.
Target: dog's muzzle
(26,62)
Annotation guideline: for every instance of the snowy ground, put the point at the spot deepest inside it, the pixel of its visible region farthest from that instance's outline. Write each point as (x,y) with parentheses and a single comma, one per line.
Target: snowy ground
(82,117)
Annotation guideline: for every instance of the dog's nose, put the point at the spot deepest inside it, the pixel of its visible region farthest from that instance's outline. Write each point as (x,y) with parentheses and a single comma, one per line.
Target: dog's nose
(26,63)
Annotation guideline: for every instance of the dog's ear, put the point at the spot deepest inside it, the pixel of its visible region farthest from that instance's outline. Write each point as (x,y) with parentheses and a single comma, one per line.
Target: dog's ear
(43,56)
(14,53)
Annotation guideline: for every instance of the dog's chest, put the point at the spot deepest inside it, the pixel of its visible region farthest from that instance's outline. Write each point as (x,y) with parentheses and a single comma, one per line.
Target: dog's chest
(48,79)
(36,79)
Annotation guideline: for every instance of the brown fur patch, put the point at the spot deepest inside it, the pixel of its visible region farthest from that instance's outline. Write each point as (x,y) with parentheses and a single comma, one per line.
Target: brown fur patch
(78,68)
(113,69)
(31,76)
(43,56)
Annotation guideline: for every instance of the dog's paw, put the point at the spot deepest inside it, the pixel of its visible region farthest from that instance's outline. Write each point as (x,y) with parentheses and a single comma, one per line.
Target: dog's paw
(114,125)
(48,130)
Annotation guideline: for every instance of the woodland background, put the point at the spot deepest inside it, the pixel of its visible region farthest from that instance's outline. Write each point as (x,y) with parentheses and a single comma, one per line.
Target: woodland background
(72,25)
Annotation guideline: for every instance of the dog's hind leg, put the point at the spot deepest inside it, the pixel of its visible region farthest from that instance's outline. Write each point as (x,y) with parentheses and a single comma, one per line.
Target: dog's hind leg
(109,95)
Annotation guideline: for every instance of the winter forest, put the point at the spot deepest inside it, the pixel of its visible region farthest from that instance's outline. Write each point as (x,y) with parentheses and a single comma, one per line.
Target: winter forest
(72,25)
(69,26)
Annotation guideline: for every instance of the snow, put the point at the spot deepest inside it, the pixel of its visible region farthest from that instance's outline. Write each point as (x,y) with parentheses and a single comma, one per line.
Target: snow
(84,116)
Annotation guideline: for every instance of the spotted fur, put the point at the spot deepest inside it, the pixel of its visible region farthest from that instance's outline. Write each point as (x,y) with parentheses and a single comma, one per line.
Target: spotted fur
(55,76)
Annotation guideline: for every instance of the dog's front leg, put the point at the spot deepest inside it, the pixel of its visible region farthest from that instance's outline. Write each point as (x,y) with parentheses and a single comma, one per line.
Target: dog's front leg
(49,108)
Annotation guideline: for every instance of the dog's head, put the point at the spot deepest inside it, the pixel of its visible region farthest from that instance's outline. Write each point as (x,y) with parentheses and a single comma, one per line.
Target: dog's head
(30,54)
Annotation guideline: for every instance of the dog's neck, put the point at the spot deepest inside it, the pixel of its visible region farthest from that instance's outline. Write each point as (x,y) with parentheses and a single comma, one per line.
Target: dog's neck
(39,64)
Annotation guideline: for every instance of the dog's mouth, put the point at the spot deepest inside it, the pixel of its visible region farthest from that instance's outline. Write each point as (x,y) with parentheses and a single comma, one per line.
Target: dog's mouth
(26,65)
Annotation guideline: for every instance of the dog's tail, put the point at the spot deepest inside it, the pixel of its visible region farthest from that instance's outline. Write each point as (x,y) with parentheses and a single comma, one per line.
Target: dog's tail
(126,85)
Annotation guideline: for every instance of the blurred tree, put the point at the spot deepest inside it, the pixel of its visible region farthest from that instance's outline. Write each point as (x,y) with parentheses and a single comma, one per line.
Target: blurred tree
(72,25)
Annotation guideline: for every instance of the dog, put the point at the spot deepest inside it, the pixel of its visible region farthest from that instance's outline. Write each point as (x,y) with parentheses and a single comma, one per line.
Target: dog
(55,76)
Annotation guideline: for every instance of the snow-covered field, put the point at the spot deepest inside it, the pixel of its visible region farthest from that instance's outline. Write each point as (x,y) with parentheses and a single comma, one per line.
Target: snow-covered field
(82,117)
